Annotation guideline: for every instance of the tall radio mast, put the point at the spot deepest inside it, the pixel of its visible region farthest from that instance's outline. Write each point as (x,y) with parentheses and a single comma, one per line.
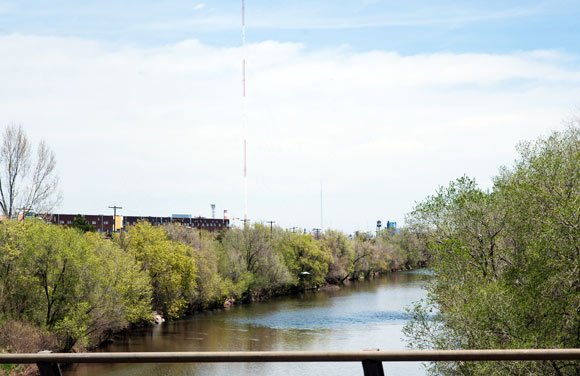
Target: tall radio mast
(244,116)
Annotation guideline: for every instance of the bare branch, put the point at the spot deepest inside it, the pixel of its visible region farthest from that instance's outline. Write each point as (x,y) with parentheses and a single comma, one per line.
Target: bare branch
(20,187)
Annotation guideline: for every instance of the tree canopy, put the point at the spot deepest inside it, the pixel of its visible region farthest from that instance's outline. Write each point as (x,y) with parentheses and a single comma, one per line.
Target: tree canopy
(507,261)
(77,286)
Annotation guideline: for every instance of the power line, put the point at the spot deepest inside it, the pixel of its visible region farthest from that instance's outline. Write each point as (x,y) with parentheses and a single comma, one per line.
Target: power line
(316,232)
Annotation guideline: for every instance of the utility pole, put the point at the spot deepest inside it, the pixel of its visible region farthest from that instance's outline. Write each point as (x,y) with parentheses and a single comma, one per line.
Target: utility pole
(245,220)
(115,207)
(199,228)
(316,232)
(271,223)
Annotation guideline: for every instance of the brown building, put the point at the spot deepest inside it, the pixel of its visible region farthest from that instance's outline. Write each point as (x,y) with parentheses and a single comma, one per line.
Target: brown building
(104,223)
(208,224)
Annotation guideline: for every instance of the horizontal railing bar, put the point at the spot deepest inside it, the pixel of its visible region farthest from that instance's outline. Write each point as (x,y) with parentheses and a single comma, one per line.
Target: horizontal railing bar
(296,356)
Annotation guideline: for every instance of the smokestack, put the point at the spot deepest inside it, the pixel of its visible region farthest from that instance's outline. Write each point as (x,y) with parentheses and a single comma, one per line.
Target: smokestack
(226,214)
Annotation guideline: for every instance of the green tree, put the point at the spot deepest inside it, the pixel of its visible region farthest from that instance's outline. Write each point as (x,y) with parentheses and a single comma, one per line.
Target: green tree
(210,287)
(170,265)
(304,254)
(250,260)
(507,261)
(81,224)
(78,287)
(342,256)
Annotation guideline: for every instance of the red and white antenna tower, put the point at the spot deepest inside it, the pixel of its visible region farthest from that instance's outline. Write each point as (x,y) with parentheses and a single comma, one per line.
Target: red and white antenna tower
(244,116)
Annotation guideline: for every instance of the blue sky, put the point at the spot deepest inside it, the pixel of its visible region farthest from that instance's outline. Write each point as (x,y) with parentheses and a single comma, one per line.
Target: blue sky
(405,26)
(381,101)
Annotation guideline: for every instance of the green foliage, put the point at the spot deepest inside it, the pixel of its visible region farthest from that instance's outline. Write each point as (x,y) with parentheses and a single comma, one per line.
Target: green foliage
(250,260)
(63,289)
(74,285)
(81,224)
(302,253)
(7,368)
(211,289)
(342,256)
(507,261)
(170,265)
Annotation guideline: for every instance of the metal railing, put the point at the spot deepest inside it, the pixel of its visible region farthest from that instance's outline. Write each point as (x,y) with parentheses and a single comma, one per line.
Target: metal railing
(48,363)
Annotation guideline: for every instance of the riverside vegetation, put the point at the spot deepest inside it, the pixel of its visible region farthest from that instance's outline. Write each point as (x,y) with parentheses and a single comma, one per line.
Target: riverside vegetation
(69,289)
(507,262)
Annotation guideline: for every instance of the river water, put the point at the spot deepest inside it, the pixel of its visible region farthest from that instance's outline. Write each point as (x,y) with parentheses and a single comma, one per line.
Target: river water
(361,315)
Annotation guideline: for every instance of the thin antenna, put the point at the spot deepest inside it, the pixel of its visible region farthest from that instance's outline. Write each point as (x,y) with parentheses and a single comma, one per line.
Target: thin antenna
(321,216)
(244,116)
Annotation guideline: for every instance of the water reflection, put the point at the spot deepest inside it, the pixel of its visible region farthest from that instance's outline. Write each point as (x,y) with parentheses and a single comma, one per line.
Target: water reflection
(367,314)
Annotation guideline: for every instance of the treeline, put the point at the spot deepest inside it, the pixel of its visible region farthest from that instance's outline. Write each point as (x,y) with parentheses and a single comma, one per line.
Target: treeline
(507,262)
(63,289)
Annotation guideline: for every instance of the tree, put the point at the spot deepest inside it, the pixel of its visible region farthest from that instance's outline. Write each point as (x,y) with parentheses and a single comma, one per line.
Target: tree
(170,265)
(304,254)
(210,289)
(250,260)
(78,287)
(507,261)
(81,224)
(26,183)
(342,254)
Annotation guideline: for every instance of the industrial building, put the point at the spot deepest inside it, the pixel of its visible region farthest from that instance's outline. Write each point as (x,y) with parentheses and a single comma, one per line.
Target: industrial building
(110,223)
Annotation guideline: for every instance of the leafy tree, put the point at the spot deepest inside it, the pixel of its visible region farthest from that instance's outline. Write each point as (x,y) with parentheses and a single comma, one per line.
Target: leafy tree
(250,260)
(210,286)
(78,287)
(170,266)
(81,224)
(507,261)
(304,254)
(342,255)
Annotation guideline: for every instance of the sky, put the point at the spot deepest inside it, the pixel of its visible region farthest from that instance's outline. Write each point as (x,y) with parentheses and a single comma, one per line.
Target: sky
(370,105)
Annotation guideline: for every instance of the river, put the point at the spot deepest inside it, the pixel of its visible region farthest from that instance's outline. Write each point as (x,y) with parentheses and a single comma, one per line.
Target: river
(361,315)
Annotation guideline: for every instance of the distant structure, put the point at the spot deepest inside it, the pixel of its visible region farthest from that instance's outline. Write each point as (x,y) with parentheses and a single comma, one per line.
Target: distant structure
(321,216)
(110,223)
(244,117)
(392,226)
(379,225)
(213,211)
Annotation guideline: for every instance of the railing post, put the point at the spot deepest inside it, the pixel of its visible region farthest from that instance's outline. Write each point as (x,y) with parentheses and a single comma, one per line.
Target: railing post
(373,367)
(48,369)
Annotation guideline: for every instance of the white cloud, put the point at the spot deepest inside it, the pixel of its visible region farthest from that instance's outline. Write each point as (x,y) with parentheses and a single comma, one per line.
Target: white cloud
(199,6)
(158,130)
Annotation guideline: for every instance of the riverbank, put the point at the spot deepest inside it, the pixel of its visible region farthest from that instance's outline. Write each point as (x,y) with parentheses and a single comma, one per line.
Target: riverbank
(360,315)
(265,296)
(71,291)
